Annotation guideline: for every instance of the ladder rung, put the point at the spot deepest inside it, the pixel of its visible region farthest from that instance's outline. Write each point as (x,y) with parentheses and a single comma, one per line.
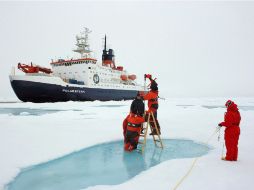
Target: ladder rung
(145,127)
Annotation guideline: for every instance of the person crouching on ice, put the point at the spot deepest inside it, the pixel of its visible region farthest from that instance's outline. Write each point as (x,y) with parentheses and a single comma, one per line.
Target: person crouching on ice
(153,105)
(231,121)
(133,123)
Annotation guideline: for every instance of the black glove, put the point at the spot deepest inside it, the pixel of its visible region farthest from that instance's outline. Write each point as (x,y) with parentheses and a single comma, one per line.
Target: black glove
(219,125)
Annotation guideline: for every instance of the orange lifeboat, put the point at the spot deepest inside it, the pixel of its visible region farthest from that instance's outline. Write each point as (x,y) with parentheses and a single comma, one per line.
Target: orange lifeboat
(124,77)
(132,77)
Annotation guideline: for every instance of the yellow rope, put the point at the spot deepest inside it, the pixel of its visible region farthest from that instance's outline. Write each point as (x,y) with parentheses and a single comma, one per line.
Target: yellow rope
(193,163)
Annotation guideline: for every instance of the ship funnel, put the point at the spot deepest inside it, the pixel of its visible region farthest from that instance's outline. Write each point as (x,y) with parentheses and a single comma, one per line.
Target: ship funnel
(108,56)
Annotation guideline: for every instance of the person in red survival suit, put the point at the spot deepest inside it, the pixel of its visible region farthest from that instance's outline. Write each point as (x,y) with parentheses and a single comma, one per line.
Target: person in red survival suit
(231,121)
(133,123)
(152,97)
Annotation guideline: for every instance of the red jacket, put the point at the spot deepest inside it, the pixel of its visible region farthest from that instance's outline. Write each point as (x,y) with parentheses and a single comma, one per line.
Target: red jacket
(152,97)
(132,123)
(232,117)
(231,121)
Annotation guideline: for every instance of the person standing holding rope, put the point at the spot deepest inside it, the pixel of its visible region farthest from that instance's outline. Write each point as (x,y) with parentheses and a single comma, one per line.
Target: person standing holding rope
(231,121)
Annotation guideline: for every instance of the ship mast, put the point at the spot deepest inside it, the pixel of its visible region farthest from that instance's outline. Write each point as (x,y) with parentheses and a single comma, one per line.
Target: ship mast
(82,44)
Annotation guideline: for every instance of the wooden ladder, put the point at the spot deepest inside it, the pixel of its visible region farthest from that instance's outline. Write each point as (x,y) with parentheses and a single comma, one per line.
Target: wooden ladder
(156,137)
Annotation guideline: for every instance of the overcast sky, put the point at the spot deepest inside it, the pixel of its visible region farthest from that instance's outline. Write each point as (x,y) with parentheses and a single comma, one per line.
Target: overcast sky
(195,49)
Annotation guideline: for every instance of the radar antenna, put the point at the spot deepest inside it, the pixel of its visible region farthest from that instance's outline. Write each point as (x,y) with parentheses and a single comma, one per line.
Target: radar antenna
(82,44)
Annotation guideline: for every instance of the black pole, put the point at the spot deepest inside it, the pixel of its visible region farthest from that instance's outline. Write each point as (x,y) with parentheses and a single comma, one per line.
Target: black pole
(105,42)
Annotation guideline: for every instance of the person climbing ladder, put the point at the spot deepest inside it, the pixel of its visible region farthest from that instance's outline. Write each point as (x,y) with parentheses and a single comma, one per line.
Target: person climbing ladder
(153,105)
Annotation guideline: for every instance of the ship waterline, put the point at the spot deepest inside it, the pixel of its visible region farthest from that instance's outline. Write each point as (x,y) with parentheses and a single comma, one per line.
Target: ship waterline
(39,92)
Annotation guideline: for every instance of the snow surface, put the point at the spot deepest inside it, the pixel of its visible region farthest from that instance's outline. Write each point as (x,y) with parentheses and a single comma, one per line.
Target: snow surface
(27,139)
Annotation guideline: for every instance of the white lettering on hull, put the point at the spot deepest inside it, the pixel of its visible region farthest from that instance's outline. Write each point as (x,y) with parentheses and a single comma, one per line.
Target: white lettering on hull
(74,91)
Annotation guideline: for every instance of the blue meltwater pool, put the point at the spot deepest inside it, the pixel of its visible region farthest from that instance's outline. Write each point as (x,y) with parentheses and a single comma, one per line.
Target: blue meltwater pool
(102,164)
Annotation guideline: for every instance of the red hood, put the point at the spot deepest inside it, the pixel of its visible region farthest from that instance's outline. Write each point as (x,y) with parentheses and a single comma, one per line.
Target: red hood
(232,107)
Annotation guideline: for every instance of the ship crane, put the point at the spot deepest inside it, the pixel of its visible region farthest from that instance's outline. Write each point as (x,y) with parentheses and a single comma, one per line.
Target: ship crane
(33,68)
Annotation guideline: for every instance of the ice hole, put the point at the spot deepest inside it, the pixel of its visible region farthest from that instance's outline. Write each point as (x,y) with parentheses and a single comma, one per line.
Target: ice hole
(102,164)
